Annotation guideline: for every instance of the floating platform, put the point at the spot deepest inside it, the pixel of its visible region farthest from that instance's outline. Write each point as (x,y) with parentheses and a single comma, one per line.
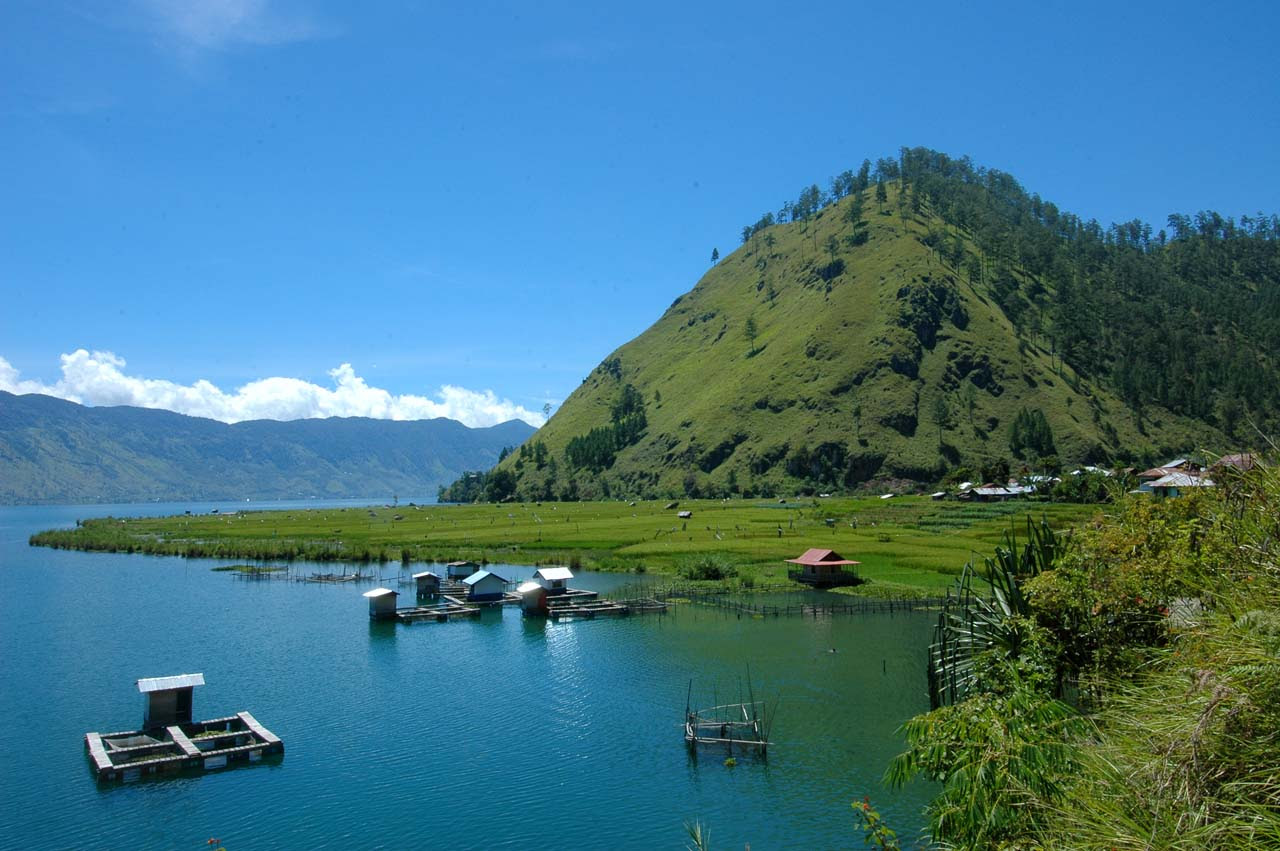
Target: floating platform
(585,609)
(573,594)
(591,608)
(338,577)
(196,745)
(438,612)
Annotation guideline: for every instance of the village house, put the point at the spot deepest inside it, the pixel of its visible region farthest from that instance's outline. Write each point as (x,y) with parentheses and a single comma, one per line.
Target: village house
(1178,483)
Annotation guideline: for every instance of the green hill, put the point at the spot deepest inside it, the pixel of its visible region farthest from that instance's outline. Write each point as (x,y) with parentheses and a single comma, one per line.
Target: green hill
(921,317)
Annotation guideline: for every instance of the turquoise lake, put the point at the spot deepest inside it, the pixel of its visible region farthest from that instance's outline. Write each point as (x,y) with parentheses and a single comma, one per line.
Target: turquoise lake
(503,732)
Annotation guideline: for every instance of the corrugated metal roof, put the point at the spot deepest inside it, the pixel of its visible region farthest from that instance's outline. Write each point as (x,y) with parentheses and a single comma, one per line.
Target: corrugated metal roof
(424,573)
(554,573)
(1240,460)
(151,684)
(378,592)
(1182,480)
(525,587)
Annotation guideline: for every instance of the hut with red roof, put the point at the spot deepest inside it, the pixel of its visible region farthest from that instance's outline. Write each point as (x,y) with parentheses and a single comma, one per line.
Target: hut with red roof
(824,569)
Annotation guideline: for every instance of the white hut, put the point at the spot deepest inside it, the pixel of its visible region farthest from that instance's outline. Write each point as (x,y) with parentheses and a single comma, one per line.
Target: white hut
(428,583)
(483,585)
(553,579)
(168,699)
(533,598)
(461,569)
(382,603)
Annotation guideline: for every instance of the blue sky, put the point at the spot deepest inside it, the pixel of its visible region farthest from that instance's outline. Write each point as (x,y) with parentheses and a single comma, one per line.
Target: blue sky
(492,197)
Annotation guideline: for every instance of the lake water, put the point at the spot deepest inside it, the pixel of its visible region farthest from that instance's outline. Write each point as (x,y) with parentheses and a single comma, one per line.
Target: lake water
(498,733)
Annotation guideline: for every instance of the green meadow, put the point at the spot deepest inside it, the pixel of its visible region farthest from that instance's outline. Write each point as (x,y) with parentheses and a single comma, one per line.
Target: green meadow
(906,543)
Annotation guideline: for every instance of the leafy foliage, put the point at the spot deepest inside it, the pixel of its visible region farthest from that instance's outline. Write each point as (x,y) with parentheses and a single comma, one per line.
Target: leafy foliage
(707,566)
(1162,622)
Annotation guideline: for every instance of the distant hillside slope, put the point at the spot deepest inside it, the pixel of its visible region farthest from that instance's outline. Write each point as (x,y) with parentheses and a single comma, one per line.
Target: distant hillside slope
(57,451)
(921,317)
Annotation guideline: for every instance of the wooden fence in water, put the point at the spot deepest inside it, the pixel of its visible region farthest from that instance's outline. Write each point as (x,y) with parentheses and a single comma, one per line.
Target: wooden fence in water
(740,604)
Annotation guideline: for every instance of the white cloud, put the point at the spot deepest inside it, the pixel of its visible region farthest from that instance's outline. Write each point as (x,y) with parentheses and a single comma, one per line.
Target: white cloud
(217,24)
(98,378)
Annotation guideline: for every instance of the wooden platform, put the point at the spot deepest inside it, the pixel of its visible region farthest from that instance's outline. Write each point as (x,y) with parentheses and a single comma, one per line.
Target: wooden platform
(200,745)
(585,609)
(446,610)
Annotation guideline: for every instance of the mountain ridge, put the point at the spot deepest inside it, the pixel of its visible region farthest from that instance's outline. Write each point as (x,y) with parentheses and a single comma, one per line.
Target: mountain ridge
(55,451)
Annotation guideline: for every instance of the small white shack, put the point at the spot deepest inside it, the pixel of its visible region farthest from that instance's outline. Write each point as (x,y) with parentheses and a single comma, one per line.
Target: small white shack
(483,585)
(533,598)
(382,603)
(553,579)
(168,699)
(428,583)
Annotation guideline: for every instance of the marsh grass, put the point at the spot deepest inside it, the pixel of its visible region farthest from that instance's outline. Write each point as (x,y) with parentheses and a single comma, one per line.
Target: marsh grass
(912,542)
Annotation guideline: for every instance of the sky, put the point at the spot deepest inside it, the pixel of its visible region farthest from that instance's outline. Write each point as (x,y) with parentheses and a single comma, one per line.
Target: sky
(293,208)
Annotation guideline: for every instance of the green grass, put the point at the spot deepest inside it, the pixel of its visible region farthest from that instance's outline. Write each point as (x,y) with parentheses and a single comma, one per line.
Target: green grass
(912,542)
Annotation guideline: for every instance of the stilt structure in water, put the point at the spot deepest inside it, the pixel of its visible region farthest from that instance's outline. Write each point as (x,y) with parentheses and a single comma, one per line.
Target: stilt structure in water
(745,725)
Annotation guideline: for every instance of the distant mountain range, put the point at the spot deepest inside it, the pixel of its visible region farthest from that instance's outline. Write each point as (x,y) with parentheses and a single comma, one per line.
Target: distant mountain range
(53,451)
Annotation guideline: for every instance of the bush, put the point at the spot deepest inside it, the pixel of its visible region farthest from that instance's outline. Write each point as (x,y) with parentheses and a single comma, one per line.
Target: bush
(709,566)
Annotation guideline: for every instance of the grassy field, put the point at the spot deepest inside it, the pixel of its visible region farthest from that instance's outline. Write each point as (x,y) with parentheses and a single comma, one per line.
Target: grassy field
(907,542)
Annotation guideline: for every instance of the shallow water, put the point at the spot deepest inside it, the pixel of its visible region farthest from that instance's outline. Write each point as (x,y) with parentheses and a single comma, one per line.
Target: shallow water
(502,732)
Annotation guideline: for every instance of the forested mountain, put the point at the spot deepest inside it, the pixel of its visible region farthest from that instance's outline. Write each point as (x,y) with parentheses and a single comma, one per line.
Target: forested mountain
(925,315)
(57,451)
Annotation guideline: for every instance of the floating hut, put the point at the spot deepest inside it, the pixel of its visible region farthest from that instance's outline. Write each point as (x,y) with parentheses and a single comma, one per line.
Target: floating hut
(461,569)
(382,603)
(484,586)
(553,579)
(428,583)
(823,569)
(170,741)
(533,598)
(168,699)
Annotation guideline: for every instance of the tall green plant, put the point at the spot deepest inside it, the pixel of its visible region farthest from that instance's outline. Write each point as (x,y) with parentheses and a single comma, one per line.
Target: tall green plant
(995,754)
(973,623)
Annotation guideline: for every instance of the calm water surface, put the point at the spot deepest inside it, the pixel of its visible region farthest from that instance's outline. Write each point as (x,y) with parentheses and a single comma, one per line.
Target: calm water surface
(498,733)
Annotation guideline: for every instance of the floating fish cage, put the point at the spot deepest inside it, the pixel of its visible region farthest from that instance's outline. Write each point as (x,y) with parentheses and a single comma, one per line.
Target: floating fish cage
(744,725)
(170,741)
